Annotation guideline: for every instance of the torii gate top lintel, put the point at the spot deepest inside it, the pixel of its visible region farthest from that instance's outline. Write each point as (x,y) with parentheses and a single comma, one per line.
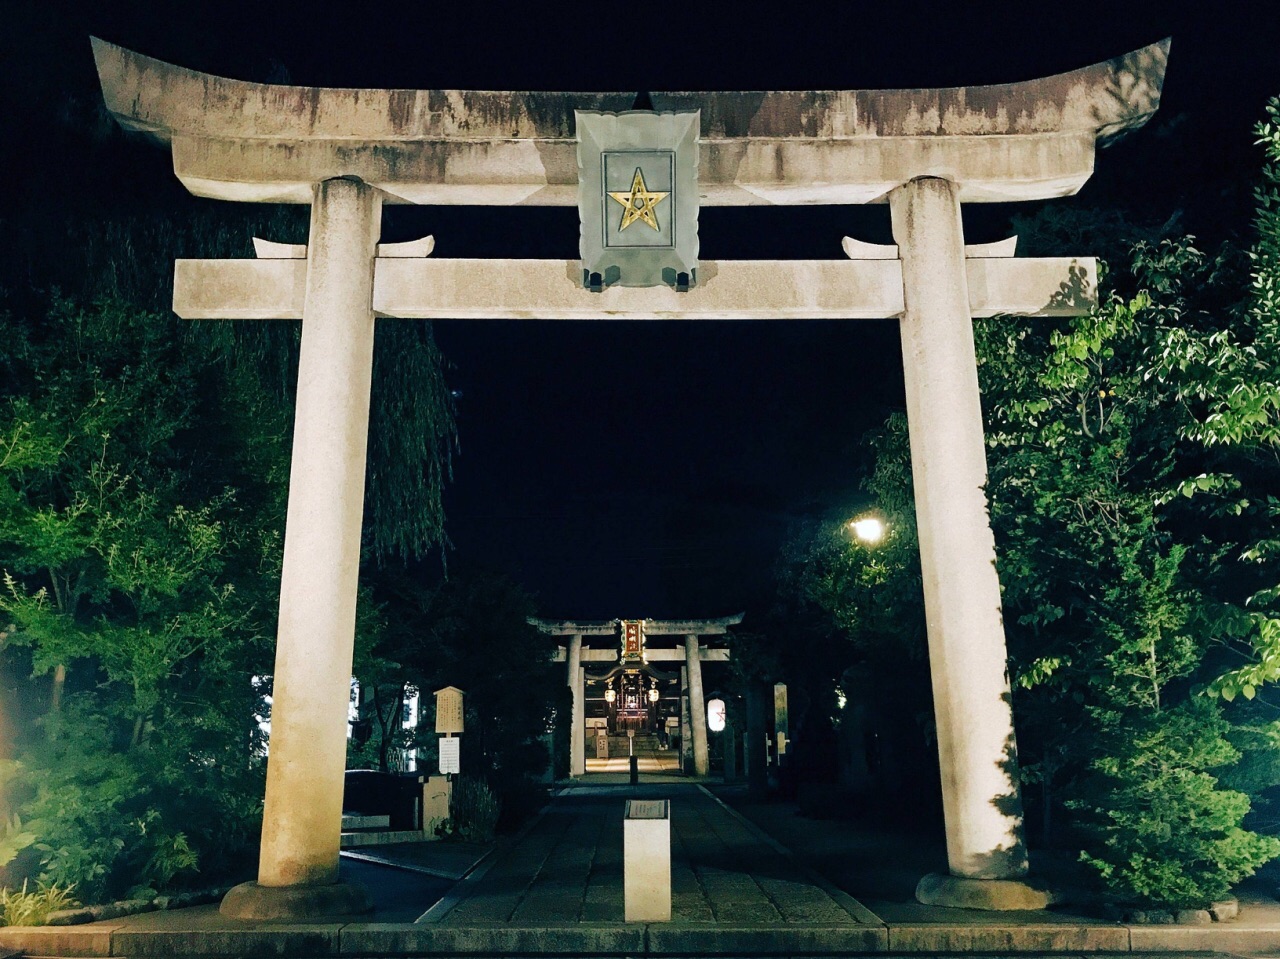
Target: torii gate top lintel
(237,140)
(652,627)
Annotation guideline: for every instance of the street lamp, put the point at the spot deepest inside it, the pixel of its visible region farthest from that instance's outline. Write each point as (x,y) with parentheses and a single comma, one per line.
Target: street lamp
(868,529)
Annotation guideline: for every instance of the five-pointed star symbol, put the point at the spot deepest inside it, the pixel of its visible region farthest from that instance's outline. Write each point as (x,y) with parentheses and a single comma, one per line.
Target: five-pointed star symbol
(639,203)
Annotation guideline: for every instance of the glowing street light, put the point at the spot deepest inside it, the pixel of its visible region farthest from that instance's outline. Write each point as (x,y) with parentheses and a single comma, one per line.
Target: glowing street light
(868,529)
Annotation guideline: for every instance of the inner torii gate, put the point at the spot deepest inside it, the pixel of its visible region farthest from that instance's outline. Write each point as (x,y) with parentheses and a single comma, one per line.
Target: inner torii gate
(346,152)
(692,654)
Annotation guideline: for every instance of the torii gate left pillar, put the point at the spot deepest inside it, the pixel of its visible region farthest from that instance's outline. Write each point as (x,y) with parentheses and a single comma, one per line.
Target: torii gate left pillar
(298,864)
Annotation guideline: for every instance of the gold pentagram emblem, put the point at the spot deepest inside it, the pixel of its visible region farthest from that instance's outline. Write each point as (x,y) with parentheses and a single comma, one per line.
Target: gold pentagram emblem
(639,203)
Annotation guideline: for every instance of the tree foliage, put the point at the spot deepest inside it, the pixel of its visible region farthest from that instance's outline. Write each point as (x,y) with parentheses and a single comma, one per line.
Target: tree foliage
(135,582)
(1133,484)
(143,477)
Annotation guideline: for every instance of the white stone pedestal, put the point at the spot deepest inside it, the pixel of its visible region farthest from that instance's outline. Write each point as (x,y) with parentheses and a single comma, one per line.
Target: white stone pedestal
(646,861)
(436,792)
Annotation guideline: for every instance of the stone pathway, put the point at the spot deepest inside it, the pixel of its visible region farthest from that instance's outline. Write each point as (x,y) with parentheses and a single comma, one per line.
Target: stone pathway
(556,890)
(568,868)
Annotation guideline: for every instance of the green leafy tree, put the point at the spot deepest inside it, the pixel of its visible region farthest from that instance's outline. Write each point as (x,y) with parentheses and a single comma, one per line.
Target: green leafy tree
(1115,514)
(135,583)
(1133,476)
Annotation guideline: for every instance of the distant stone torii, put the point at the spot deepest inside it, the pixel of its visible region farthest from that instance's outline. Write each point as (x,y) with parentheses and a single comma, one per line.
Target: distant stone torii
(346,152)
(692,654)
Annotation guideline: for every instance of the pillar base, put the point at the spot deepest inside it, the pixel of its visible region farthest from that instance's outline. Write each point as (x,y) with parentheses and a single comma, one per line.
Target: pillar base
(958,892)
(252,901)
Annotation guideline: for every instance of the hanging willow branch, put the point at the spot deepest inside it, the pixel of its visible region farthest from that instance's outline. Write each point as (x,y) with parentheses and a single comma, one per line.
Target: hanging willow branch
(411,430)
(411,441)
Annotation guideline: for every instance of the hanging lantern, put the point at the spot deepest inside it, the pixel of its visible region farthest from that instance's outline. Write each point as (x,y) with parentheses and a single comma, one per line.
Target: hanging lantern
(653,694)
(716,715)
(610,694)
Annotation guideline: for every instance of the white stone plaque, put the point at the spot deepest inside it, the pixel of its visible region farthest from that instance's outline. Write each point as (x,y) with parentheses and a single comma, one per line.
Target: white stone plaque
(638,198)
(449,710)
(646,809)
(450,755)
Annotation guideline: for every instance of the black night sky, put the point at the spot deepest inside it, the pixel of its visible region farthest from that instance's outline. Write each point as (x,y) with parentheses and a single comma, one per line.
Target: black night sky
(633,469)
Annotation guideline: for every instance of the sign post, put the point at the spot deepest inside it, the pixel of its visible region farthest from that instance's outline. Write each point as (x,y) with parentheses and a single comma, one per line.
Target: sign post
(449,720)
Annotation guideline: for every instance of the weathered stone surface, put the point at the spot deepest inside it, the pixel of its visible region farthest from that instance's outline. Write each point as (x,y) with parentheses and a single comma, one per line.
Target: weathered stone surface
(697,706)
(302,812)
(980,801)
(793,940)
(958,892)
(277,940)
(92,940)
(576,681)
(268,143)
(160,99)
(373,939)
(255,902)
(1192,917)
(1204,939)
(552,289)
(1225,910)
(939,938)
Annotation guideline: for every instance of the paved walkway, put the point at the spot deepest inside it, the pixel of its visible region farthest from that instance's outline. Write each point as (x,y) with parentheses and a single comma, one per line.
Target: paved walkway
(649,759)
(568,869)
(556,889)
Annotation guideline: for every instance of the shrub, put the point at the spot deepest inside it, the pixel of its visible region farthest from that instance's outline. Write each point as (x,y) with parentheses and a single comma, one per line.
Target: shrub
(473,811)
(1162,830)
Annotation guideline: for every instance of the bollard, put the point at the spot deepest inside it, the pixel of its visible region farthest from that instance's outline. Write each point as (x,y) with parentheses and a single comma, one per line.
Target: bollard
(646,861)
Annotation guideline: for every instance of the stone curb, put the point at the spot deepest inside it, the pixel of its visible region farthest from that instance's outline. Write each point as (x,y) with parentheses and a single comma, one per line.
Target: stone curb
(671,939)
(621,939)
(354,840)
(935,938)
(580,939)
(275,940)
(129,907)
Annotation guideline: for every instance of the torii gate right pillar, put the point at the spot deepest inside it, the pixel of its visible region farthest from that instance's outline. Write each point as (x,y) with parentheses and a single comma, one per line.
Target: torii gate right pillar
(967,655)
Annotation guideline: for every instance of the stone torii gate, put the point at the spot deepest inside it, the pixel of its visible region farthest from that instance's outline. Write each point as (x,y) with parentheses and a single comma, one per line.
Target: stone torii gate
(345,152)
(691,654)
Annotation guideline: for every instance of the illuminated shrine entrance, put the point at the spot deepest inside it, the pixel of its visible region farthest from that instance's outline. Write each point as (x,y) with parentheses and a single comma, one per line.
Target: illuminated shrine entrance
(638,689)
